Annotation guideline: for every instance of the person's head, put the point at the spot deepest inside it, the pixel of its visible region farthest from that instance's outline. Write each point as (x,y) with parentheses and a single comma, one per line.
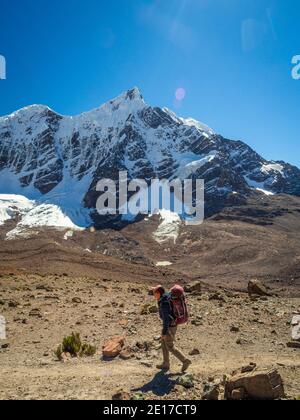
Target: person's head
(158,292)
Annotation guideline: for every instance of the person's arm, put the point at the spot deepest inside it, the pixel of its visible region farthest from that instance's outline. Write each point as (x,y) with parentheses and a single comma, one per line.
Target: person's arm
(165,311)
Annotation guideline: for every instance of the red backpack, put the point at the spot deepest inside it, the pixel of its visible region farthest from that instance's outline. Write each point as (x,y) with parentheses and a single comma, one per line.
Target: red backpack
(179,305)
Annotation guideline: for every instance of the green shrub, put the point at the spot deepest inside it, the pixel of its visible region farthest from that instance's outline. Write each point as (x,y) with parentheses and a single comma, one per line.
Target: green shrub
(88,350)
(73,345)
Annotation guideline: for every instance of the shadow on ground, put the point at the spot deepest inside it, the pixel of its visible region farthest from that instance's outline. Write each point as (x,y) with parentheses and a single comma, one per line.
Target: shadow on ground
(161,384)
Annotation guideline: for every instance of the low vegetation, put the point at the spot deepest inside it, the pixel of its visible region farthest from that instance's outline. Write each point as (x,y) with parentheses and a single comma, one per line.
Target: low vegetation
(73,346)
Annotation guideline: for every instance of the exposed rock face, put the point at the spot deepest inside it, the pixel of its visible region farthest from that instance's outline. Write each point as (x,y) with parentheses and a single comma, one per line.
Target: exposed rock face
(266,385)
(45,155)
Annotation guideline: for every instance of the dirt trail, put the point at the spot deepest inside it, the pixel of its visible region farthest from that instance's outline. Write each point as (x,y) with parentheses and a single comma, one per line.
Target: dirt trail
(97,381)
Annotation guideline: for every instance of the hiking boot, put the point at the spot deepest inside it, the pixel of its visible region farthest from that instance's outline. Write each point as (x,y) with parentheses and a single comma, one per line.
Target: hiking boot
(186,365)
(163,366)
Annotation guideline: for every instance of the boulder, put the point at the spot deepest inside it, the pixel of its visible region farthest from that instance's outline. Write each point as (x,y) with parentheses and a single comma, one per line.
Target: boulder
(265,385)
(256,288)
(113,347)
(194,287)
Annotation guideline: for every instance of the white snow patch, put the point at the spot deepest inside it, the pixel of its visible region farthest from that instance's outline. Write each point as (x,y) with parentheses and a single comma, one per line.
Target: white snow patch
(267,168)
(258,186)
(68,235)
(265,191)
(163,264)
(190,162)
(11,205)
(169,227)
(33,215)
(194,123)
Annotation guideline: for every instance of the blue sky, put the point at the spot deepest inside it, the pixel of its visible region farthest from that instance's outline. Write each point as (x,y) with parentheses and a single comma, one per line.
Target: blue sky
(231,58)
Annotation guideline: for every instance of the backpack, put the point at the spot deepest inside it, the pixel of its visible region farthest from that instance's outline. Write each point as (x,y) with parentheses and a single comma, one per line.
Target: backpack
(178,305)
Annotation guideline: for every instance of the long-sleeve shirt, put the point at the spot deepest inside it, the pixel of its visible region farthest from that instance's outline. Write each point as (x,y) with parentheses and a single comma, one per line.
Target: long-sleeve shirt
(165,313)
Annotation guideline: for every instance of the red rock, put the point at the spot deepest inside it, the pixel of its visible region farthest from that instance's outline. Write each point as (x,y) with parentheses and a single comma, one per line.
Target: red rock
(113,347)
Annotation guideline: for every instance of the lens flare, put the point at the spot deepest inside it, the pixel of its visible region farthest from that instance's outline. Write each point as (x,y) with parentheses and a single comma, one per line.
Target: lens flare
(180,94)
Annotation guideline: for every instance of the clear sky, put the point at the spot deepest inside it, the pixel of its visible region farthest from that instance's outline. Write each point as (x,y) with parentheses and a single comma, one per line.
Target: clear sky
(230,58)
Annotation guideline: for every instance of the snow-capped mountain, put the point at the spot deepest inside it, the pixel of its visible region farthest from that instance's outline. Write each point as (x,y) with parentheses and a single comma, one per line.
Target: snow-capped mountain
(58,160)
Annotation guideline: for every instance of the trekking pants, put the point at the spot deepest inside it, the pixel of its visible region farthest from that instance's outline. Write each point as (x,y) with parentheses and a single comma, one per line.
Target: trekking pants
(168,346)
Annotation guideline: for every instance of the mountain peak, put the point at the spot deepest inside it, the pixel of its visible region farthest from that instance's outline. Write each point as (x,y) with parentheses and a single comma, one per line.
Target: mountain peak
(29,111)
(131,95)
(129,102)
(134,94)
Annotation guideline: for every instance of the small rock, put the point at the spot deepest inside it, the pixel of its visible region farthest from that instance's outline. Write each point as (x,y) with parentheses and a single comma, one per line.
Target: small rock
(294,345)
(234,329)
(76,300)
(126,354)
(35,313)
(121,396)
(194,352)
(5,346)
(187,380)
(249,368)
(196,322)
(211,392)
(138,396)
(13,304)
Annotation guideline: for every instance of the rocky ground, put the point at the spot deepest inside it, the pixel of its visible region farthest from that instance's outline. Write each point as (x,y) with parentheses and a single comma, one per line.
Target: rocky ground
(227,329)
(54,283)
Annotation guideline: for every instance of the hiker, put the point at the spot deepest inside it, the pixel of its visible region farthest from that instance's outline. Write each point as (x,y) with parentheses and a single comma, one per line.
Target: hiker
(170,323)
